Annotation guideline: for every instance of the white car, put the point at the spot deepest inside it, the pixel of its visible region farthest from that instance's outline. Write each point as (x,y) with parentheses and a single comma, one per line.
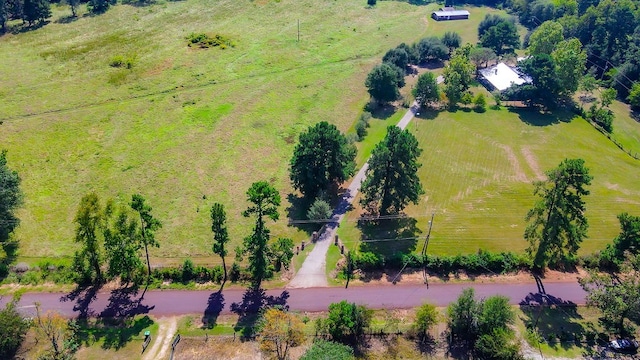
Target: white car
(623,345)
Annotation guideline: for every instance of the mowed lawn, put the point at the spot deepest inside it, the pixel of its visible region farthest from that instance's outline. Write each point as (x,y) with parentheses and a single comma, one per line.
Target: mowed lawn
(478,169)
(184,127)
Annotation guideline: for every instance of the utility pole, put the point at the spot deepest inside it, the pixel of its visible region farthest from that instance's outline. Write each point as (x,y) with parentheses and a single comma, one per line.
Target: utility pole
(424,251)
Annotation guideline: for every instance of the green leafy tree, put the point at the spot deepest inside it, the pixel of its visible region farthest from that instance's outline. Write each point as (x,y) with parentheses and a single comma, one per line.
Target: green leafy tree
(14,330)
(319,210)
(627,242)
(426,91)
(542,70)
(122,244)
(322,157)
(264,200)
(36,10)
(500,344)
(458,75)
(426,317)
(347,322)
(545,38)
(398,57)
(463,317)
(4,16)
(588,84)
(607,96)
(372,2)
(451,40)
(328,350)
(617,296)
(481,56)
(557,224)
(10,200)
(148,226)
(431,48)
(570,60)
(220,234)
(382,83)
(73,5)
(483,326)
(392,177)
(634,96)
(98,6)
(501,37)
(282,252)
(480,103)
(89,222)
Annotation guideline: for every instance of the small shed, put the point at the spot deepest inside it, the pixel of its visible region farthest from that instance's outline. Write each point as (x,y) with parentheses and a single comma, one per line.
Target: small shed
(450,13)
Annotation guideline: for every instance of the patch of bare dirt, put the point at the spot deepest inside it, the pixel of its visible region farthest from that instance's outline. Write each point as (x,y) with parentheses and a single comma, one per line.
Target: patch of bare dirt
(413,276)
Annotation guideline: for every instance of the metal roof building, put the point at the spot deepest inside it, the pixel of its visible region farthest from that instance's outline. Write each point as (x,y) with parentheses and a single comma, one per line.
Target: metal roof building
(449,13)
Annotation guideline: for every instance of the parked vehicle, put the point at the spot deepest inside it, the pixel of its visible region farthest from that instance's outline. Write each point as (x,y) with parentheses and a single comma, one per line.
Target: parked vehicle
(623,345)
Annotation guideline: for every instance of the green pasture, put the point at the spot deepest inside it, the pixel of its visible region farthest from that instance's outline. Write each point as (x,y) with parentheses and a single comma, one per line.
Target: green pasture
(478,169)
(185,127)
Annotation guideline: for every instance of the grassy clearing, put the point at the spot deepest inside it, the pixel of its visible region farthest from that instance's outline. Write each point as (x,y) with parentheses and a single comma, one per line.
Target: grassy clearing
(185,127)
(477,173)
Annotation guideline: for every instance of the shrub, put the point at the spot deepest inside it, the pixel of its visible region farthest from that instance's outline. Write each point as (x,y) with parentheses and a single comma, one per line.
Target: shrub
(426,317)
(14,329)
(205,41)
(319,210)
(328,350)
(480,103)
(368,261)
(371,2)
(188,271)
(217,274)
(361,129)
(30,278)
(347,322)
(234,272)
(120,61)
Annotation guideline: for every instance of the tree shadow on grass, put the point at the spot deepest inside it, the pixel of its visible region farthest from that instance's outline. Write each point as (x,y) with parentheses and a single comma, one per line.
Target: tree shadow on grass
(254,301)
(390,238)
(297,211)
(215,305)
(114,333)
(557,321)
(537,117)
(380,111)
(83,296)
(67,19)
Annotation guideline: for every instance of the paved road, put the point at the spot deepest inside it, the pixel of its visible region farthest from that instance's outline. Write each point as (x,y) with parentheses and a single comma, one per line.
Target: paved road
(175,302)
(312,273)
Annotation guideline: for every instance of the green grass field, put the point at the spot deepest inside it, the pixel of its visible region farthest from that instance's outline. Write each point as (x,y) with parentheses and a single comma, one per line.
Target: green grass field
(477,171)
(185,127)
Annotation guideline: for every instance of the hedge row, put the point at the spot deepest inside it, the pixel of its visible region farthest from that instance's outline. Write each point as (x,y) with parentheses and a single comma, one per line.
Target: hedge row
(481,262)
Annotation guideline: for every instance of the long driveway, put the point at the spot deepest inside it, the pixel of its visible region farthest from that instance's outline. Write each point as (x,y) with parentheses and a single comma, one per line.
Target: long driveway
(312,273)
(173,302)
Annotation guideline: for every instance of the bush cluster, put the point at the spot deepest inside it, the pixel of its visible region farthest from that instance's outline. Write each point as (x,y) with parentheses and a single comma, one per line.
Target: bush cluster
(120,61)
(481,262)
(189,272)
(205,41)
(362,125)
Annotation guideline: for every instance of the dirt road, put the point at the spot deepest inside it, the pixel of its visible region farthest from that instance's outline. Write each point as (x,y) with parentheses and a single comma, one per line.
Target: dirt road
(174,302)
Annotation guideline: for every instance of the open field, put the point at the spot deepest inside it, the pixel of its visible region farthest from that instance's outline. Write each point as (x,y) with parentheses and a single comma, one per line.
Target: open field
(185,127)
(477,171)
